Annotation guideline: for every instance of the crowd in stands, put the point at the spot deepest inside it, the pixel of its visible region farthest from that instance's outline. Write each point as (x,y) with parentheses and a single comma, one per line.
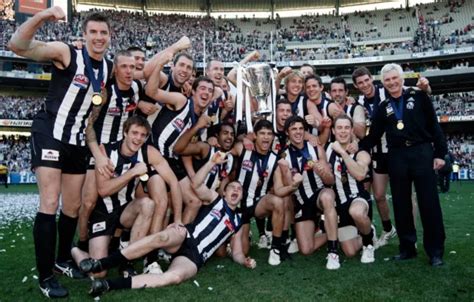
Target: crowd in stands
(427,27)
(454,104)
(461,147)
(20,108)
(15,153)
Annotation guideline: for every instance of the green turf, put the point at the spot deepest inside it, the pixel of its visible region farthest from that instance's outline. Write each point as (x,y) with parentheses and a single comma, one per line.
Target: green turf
(303,279)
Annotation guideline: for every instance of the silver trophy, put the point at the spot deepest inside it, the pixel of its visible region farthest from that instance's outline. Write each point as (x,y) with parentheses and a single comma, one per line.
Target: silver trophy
(259,78)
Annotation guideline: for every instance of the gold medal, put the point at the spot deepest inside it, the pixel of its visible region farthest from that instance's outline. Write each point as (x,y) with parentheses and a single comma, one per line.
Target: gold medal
(96,99)
(194,139)
(400,125)
(310,163)
(144,177)
(259,183)
(343,179)
(218,184)
(213,119)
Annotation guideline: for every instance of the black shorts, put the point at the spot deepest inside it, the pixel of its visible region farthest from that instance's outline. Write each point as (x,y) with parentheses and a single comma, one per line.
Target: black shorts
(103,223)
(247,214)
(345,218)
(49,152)
(380,163)
(189,250)
(308,210)
(178,167)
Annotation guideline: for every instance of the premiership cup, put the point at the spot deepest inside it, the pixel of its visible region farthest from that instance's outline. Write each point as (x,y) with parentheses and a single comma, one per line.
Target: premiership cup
(259,77)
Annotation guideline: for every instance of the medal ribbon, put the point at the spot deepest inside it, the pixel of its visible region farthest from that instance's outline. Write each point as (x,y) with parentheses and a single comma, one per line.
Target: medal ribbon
(118,95)
(398,108)
(295,153)
(231,215)
(262,165)
(96,82)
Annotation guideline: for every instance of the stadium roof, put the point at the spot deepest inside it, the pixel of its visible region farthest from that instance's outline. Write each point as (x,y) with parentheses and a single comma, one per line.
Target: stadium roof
(216,6)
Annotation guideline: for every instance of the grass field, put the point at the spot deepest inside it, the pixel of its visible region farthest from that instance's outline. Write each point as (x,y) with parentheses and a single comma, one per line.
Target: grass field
(302,279)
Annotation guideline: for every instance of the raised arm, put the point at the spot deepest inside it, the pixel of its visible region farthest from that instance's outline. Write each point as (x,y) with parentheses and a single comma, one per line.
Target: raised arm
(357,168)
(185,147)
(202,191)
(252,56)
(23,44)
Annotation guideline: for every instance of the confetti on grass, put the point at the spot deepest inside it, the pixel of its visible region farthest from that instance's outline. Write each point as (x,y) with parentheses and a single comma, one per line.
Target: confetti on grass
(24,279)
(16,208)
(196,283)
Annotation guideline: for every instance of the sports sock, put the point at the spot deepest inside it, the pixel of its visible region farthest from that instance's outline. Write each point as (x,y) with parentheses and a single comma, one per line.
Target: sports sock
(276,242)
(284,236)
(269,224)
(83,245)
(66,230)
(151,257)
(125,235)
(44,236)
(387,225)
(260,226)
(115,259)
(367,239)
(114,244)
(120,283)
(293,231)
(333,246)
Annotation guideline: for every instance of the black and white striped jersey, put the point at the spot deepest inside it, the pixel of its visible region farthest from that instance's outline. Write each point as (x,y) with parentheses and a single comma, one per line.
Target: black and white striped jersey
(346,186)
(218,172)
(301,161)
(119,107)
(169,87)
(280,142)
(255,173)
(170,125)
(323,105)
(300,106)
(69,100)
(371,105)
(213,225)
(122,165)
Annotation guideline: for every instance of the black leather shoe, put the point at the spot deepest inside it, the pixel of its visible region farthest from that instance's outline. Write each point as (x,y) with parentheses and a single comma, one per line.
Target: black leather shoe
(90,265)
(436,261)
(404,256)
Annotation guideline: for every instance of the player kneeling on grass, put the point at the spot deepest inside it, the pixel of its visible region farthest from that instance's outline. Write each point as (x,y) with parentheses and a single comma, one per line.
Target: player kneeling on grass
(353,201)
(192,245)
(116,205)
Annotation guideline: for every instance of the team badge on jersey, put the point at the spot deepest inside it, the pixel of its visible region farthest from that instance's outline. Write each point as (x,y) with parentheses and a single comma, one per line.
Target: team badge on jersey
(410,103)
(114,111)
(247,165)
(81,81)
(178,124)
(389,110)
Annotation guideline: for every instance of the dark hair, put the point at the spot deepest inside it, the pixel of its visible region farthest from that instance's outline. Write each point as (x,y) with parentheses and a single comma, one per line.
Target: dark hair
(208,64)
(314,77)
(339,80)
(262,124)
(282,102)
(309,65)
(202,79)
(342,116)
(97,17)
(182,54)
(236,181)
(360,71)
(218,127)
(293,120)
(121,53)
(135,48)
(140,121)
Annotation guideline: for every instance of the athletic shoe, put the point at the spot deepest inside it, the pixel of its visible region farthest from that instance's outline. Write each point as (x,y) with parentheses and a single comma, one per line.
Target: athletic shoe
(51,288)
(90,265)
(153,268)
(274,257)
(333,261)
(367,254)
(68,268)
(127,270)
(98,287)
(263,242)
(293,247)
(123,244)
(385,237)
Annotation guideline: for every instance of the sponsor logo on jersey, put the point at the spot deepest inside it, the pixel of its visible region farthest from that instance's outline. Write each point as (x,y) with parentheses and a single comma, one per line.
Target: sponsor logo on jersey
(216,214)
(247,165)
(114,111)
(229,225)
(49,155)
(214,170)
(178,124)
(98,227)
(81,81)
